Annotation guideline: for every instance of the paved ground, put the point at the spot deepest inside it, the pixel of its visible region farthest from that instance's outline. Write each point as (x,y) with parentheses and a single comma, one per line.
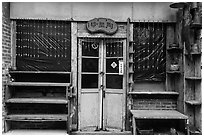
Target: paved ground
(63,132)
(36,132)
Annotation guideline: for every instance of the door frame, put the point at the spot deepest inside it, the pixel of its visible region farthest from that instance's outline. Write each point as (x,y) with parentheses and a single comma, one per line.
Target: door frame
(124,82)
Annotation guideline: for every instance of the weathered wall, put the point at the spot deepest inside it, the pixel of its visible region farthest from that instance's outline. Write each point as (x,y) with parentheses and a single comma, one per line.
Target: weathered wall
(6,48)
(86,11)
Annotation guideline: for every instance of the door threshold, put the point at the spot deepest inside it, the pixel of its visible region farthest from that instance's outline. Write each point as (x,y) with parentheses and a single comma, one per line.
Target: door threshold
(101,132)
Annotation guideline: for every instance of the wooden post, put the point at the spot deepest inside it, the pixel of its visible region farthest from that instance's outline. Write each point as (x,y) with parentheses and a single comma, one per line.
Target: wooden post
(169,40)
(134,125)
(68,109)
(187,126)
(74,60)
(7,125)
(127,54)
(127,73)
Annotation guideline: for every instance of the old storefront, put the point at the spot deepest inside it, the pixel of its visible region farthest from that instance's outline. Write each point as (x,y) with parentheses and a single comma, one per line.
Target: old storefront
(117,67)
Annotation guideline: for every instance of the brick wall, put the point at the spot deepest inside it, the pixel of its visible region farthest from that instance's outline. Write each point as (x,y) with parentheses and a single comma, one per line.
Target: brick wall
(154,103)
(6,48)
(6,35)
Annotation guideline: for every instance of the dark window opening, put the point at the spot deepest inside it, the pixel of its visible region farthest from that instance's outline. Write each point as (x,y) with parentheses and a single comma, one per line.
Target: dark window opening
(114,81)
(149,51)
(89,80)
(43,45)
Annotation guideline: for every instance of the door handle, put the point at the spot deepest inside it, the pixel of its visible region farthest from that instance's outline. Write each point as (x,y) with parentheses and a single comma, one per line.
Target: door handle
(102,73)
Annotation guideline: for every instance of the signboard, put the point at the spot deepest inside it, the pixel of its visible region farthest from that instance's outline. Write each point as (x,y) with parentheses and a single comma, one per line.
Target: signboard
(121,67)
(103,25)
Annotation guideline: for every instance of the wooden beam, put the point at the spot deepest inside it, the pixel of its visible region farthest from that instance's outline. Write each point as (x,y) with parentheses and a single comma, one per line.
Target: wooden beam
(74,67)
(193,78)
(138,92)
(193,102)
(37,117)
(173,72)
(134,125)
(38,72)
(158,114)
(38,84)
(38,100)
(7,126)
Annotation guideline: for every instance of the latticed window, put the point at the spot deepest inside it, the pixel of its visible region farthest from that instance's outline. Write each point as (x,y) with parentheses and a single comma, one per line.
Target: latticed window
(43,45)
(149,51)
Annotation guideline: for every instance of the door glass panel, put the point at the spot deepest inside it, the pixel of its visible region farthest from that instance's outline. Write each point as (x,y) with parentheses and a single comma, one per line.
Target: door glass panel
(89,81)
(114,49)
(90,48)
(114,81)
(89,64)
(112,65)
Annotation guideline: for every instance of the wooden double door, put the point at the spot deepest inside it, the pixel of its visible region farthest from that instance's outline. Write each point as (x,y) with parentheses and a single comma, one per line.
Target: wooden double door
(101,84)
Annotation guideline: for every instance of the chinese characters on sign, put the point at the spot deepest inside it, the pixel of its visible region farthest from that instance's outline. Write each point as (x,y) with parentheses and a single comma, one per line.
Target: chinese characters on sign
(121,67)
(104,25)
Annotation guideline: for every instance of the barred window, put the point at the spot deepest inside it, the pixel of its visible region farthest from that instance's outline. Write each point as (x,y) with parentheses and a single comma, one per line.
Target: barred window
(149,51)
(43,45)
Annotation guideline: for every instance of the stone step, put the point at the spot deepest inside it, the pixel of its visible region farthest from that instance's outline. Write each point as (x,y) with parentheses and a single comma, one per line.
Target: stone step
(101,133)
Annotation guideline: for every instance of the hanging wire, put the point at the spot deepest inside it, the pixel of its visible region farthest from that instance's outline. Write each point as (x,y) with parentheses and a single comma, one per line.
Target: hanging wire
(138,57)
(144,45)
(33,30)
(117,48)
(21,29)
(162,51)
(107,48)
(111,53)
(29,37)
(55,47)
(57,40)
(25,40)
(38,29)
(157,52)
(62,40)
(22,39)
(50,30)
(114,45)
(148,46)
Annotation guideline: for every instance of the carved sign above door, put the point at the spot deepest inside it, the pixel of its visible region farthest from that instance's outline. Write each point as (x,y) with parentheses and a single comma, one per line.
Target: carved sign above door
(103,25)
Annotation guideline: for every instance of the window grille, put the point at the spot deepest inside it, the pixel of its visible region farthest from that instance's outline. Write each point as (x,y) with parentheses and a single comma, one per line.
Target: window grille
(43,45)
(149,51)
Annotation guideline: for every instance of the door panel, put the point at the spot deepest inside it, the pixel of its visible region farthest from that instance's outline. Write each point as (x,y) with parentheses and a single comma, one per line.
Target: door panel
(89,81)
(89,64)
(113,110)
(89,110)
(114,81)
